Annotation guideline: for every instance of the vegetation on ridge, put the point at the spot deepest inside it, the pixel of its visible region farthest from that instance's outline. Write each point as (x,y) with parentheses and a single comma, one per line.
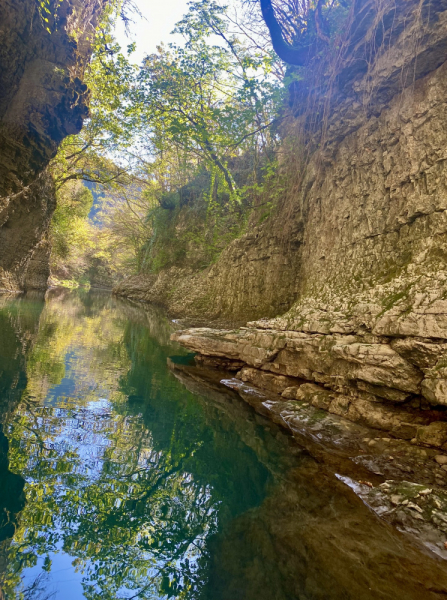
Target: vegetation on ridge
(178,150)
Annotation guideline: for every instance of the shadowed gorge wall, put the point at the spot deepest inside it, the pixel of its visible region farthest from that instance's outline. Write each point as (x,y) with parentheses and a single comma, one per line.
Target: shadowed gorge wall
(42,100)
(24,249)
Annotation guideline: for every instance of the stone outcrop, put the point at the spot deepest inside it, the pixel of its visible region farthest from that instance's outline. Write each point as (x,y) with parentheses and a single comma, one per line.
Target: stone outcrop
(44,48)
(24,249)
(386,385)
(255,276)
(364,244)
(42,97)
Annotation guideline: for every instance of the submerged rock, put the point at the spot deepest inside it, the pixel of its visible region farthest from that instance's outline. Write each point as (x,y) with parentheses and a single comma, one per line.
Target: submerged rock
(402,483)
(369,383)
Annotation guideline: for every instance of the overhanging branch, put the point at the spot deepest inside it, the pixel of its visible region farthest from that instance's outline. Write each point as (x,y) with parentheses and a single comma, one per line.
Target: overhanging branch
(294,55)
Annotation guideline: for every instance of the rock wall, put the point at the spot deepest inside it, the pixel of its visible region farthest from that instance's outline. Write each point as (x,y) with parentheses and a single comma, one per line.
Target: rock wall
(362,235)
(42,100)
(366,336)
(42,97)
(366,379)
(24,250)
(255,276)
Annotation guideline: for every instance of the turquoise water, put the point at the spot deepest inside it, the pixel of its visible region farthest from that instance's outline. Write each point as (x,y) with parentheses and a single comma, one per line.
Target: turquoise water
(123,475)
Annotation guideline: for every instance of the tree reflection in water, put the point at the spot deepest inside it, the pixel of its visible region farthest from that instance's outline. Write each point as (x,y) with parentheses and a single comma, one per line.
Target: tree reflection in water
(138,488)
(124,473)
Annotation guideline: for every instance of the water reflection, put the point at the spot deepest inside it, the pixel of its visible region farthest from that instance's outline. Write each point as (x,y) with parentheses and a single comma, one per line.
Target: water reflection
(126,481)
(149,481)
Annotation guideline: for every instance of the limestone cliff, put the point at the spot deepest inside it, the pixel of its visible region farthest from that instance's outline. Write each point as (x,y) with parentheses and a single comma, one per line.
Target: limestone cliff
(359,256)
(366,221)
(24,250)
(42,100)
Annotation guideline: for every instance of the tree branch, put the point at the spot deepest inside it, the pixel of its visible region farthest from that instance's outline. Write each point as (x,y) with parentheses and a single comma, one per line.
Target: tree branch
(294,55)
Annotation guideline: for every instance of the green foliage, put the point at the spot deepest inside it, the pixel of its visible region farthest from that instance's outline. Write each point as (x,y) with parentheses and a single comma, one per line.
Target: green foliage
(208,105)
(168,134)
(91,156)
(70,232)
(121,228)
(209,101)
(114,119)
(192,226)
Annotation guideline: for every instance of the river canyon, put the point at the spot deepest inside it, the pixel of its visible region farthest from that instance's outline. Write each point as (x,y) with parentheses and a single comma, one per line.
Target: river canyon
(270,423)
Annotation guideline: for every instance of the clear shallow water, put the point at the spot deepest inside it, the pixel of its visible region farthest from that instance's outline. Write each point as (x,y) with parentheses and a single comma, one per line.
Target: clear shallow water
(140,481)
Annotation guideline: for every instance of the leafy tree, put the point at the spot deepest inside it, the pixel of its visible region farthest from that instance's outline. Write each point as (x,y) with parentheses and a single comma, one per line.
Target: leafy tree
(70,232)
(210,101)
(198,107)
(121,227)
(113,121)
(302,30)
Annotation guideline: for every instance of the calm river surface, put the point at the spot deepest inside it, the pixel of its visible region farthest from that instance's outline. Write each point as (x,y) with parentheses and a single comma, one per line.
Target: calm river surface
(124,477)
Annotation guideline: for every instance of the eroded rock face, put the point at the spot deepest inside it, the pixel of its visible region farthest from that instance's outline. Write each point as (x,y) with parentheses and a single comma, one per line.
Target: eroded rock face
(24,249)
(367,332)
(254,277)
(361,378)
(42,100)
(42,97)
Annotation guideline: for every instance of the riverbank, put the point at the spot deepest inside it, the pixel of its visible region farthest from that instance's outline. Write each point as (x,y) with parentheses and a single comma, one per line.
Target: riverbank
(394,385)
(403,482)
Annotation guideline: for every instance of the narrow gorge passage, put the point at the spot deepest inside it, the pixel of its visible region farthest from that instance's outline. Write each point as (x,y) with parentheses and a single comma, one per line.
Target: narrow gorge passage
(223,300)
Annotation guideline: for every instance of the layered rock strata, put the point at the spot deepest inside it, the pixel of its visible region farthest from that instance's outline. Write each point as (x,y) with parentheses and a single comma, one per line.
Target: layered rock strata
(254,277)
(393,385)
(24,249)
(361,236)
(365,336)
(44,49)
(404,484)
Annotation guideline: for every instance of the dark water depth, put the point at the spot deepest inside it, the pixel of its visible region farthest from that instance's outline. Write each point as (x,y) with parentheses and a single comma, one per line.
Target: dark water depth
(121,477)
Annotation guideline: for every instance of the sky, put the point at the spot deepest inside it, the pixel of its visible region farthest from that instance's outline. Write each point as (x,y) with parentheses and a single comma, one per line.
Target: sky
(160,19)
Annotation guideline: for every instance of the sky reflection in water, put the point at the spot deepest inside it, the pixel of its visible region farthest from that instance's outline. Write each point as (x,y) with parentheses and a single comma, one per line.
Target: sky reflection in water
(146,481)
(127,474)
